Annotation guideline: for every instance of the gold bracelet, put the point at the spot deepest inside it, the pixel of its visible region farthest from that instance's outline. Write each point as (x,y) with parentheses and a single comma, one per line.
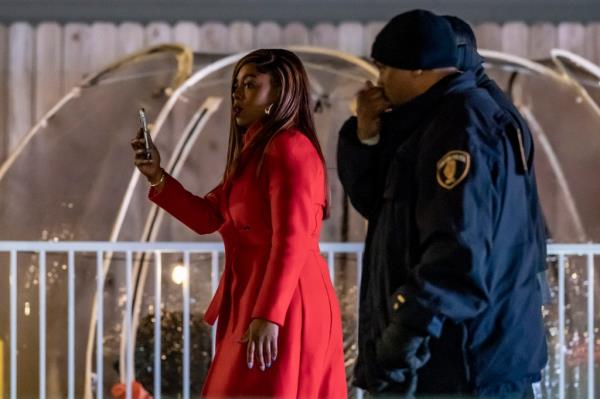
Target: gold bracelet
(162,179)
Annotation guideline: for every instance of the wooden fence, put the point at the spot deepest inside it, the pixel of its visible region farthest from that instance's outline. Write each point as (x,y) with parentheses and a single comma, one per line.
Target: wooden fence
(40,63)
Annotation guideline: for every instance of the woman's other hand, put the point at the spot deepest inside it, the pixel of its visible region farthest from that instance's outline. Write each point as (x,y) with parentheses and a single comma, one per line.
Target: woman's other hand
(262,343)
(148,167)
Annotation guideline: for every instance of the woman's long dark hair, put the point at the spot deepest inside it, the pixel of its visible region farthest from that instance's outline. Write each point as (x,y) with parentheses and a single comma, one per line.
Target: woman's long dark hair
(291,110)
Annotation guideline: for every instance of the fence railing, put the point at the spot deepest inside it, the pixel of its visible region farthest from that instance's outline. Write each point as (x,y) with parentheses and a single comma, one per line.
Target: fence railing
(155,251)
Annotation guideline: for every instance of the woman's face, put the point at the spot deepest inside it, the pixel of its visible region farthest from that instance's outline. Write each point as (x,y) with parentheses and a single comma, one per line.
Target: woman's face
(252,93)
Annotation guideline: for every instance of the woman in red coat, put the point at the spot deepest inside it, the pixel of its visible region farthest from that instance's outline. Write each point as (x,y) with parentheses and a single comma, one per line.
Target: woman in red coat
(279,332)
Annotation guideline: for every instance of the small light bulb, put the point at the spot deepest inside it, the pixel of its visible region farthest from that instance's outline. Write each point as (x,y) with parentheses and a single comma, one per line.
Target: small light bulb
(179,274)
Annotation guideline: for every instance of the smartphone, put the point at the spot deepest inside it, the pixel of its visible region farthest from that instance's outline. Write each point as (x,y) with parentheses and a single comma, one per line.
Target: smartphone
(147,139)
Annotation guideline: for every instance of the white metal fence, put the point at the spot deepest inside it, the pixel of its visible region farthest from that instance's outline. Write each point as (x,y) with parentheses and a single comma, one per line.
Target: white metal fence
(13,248)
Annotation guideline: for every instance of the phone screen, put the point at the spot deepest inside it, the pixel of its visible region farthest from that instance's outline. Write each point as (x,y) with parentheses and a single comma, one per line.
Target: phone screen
(147,139)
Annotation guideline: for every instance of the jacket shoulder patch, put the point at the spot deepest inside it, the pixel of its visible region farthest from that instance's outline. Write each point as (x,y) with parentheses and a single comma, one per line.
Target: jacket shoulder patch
(453,168)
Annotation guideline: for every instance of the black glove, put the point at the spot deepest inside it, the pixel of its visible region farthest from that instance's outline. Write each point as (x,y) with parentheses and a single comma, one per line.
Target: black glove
(400,348)
(400,353)
(374,375)
(371,376)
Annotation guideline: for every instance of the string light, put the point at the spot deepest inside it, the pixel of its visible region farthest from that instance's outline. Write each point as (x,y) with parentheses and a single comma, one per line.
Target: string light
(179,274)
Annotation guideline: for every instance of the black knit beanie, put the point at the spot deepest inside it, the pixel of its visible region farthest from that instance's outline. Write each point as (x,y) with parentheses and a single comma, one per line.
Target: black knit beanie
(417,39)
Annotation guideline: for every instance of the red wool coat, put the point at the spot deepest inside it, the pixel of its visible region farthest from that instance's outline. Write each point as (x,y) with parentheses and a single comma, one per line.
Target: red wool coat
(270,225)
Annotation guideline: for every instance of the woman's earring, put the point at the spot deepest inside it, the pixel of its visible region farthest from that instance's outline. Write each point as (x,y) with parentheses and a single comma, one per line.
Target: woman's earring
(268,109)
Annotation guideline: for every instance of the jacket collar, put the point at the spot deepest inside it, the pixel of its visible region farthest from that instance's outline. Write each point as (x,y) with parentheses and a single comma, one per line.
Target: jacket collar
(456,82)
(411,114)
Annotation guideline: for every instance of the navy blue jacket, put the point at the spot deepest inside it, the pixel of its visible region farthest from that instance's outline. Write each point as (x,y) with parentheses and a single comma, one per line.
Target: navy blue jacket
(519,122)
(454,244)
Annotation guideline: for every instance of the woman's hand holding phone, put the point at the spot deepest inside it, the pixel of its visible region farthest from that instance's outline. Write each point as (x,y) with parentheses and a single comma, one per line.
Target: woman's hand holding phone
(148,167)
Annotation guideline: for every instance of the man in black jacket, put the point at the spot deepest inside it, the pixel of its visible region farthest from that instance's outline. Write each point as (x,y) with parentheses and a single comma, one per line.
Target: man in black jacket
(449,291)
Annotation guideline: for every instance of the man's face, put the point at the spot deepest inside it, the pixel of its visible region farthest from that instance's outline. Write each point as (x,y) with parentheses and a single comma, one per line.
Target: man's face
(398,84)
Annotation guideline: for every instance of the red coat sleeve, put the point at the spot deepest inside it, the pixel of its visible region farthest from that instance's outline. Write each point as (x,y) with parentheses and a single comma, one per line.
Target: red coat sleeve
(293,168)
(201,214)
